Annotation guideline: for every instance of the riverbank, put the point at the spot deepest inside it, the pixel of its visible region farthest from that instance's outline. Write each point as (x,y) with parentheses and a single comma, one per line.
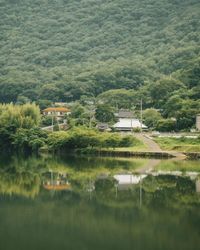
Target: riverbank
(141,145)
(120,153)
(182,144)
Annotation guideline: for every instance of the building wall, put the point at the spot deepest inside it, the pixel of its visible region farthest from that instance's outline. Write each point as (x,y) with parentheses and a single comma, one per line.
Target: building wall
(57,113)
(198,122)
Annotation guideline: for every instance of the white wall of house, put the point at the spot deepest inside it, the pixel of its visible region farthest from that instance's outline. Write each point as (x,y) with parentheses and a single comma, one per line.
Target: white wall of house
(128,124)
(198,122)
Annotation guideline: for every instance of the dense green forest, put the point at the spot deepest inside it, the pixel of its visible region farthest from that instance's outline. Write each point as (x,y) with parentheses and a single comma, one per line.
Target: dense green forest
(121,50)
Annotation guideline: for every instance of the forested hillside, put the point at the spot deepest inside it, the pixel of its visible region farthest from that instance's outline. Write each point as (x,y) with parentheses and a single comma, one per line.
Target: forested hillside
(62,50)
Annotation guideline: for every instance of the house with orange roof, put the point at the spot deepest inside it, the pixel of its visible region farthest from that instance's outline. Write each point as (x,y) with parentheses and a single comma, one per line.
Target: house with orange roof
(58,112)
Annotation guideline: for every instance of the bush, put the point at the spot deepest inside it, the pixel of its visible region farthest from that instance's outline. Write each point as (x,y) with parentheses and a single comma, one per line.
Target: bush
(57,140)
(166,125)
(137,130)
(47,121)
(126,141)
(29,139)
(86,138)
(112,141)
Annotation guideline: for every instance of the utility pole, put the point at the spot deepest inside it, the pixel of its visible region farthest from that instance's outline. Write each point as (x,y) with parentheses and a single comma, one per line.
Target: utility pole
(52,122)
(53,115)
(90,122)
(140,191)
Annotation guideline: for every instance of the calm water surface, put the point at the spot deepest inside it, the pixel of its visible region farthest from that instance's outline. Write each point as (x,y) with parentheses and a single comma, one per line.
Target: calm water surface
(98,204)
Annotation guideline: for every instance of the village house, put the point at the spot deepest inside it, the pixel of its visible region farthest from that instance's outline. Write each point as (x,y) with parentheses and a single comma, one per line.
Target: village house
(127,122)
(58,112)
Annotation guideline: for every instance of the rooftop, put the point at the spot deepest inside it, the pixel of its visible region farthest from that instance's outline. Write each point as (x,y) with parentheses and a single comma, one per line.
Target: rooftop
(56,109)
(129,123)
(125,113)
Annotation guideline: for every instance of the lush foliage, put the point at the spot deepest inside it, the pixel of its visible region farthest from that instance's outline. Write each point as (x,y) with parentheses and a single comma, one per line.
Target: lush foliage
(29,139)
(151,117)
(120,51)
(86,138)
(104,113)
(17,118)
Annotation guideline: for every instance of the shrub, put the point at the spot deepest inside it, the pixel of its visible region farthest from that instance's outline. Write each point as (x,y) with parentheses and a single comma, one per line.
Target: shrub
(126,141)
(166,125)
(29,139)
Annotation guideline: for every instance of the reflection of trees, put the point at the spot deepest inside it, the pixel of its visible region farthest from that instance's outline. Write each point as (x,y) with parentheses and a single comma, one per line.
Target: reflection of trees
(170,191)
(24,184)
(154,191)
(21,176)
(24,176)
(104,185)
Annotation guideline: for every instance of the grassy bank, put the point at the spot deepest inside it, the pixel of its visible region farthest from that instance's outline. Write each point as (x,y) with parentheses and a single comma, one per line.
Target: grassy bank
(182,166)
(182,144)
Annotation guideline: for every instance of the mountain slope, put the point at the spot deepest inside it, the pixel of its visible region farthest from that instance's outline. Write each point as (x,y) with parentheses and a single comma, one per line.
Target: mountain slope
(62,49)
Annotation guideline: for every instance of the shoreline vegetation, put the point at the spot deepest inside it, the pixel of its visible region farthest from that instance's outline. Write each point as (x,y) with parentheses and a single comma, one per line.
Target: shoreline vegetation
(20,131)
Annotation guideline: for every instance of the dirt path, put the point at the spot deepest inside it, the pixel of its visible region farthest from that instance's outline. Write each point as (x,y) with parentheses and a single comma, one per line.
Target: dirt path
(152,146)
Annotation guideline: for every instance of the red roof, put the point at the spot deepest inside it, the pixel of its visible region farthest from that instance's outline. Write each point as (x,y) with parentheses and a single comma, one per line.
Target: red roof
(59,109)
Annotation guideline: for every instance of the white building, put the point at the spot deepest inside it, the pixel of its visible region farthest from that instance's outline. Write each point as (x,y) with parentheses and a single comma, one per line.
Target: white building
(58,112)
(128,124)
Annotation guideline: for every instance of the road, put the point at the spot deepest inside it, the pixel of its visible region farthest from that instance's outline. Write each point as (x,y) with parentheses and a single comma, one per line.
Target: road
(152,146)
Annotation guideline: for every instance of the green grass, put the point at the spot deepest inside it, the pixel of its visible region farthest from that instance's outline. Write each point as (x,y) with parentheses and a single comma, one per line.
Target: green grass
(179,166)
(135,147)
(179,144)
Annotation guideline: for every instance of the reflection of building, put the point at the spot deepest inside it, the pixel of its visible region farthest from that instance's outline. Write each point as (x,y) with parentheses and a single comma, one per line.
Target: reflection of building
(58,112)
(125,181)
(57,182)
(198,185)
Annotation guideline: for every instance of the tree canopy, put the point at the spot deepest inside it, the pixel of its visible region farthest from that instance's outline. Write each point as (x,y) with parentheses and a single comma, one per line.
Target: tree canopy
(61,50)
(65,50)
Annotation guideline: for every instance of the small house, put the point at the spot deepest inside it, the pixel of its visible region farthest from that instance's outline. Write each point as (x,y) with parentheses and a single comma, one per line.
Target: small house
(58,112)
(129,124)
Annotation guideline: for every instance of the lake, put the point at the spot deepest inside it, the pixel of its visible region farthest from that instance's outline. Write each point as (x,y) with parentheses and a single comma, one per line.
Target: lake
(86,203)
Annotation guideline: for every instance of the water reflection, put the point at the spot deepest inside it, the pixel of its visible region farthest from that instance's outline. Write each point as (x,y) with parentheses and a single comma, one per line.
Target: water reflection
(126,181)
(51,203)
(28,176)
(56,181)
(198,185)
